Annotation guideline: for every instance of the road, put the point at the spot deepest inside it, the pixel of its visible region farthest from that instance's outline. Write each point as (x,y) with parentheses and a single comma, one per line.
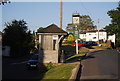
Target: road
(100,65)
(15,69)
(0,60)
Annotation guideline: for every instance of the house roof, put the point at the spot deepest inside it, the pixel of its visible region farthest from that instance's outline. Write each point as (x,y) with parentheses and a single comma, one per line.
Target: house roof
(96,31)
(52,29)
(82,32)
(92,31)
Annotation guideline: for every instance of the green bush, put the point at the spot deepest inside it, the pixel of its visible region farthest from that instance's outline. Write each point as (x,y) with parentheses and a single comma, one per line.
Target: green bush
(69,42)
(101,41)
(118,42)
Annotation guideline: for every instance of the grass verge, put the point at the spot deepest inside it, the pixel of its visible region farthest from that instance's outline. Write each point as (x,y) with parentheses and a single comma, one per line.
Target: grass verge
(62,72)
(74,57)
(83,49)
(100,48)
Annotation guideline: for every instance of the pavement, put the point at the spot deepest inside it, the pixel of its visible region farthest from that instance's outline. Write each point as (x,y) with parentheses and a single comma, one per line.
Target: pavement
(100,65)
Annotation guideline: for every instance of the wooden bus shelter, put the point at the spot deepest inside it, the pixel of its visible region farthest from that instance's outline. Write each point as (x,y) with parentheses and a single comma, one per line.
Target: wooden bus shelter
(49,43)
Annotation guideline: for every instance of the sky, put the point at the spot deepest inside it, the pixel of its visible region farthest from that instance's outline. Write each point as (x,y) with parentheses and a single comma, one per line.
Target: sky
(43,14)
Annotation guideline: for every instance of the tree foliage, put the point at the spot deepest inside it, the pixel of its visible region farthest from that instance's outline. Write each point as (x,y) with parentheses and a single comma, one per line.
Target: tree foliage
(18,37)
(85,23)
(114,27)
(39,29)
(37,37)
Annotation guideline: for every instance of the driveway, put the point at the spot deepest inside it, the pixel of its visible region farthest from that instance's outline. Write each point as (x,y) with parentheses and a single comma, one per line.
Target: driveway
(16,69)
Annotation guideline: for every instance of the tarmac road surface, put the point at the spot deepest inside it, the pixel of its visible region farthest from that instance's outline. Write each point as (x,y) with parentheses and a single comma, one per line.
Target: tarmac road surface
(101,65)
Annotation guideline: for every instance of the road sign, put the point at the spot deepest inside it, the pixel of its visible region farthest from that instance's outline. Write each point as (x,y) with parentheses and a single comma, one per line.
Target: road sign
(76,34)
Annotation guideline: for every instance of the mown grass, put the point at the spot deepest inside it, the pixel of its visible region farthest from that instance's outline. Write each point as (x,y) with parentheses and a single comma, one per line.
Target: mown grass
(83,49)
(62,72)
(101,47)
(75,57)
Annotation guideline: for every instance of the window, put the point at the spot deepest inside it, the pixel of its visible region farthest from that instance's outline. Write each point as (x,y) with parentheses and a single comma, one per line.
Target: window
(54,43)
(84,35)
(94,37)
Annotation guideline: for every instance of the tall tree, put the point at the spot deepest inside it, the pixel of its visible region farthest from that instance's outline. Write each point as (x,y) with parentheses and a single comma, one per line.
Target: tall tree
(37,37)
(18,37)
(2,2)
(114,27)
(39,29)
(85,23)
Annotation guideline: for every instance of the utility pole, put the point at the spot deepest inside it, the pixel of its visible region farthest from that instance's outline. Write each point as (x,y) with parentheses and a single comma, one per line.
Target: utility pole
(98,30)
(61,14)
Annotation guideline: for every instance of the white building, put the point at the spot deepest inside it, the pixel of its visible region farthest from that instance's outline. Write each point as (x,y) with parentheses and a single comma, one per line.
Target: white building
(112,38)
(93,35)
(82,36)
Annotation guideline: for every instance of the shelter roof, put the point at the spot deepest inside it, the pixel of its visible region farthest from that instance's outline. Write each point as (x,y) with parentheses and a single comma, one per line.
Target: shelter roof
(52,29)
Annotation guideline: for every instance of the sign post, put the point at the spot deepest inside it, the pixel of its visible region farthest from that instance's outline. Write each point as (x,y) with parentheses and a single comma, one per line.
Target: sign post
(76,46)
(76,21)
(76,35)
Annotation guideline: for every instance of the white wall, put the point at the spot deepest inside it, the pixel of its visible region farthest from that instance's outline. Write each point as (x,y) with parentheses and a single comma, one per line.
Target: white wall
(112,38)
(93,36)
(82,36)
(102,36)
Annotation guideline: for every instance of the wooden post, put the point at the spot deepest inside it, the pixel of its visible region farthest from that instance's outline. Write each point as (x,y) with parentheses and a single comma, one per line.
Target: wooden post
(62,57)
(61,14)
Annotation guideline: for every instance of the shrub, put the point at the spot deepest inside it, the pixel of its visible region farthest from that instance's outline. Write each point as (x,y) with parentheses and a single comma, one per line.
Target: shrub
(118,42)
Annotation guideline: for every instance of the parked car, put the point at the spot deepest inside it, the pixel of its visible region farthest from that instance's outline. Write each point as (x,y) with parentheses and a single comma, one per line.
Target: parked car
(79,44)
(83,42)
(91,43)
(33,62)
